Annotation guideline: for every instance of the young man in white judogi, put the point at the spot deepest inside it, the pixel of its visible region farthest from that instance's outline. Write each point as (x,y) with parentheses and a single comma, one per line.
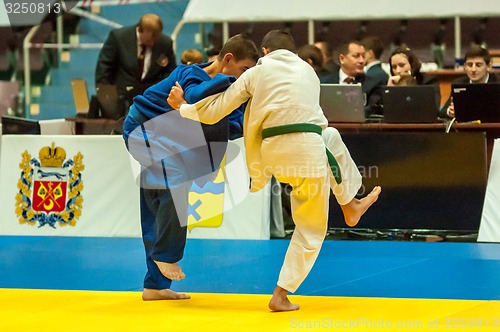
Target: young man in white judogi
(286,135)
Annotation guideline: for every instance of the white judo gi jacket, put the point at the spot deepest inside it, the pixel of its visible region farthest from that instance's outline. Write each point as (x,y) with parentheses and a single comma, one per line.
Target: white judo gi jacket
(281,89)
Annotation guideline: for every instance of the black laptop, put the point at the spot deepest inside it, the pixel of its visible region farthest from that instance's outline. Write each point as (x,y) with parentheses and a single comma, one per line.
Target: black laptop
(112,104)
(476,102)
(15,125)
(410,104)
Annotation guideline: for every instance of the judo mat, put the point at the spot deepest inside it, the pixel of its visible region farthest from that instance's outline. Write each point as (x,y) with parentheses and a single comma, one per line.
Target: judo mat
(95,284)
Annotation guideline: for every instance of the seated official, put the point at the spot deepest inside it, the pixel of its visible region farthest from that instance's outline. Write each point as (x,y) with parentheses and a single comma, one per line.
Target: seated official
(375,76)
(403,62)
(313,56)
(406,70)
(477,66)
(327,52)
(352,71)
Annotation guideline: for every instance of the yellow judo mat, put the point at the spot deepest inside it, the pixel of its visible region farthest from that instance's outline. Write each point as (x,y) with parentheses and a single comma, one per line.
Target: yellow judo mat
(62,310)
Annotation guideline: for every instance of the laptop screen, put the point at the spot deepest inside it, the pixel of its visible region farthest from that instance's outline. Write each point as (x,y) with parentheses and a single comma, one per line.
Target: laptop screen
(15,125)
(476,102)
(342,102)
(411,103)
(111,104)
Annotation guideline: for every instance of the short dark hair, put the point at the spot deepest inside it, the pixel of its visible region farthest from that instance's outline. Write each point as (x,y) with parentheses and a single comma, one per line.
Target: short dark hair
(344,47)
(311,52)
(375,44)
(212,51)
(278,39)
(327,48)
(241,46)
(478,52)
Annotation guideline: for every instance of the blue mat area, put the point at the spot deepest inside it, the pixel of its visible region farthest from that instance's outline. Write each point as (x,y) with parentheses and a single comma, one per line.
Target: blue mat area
(344,268)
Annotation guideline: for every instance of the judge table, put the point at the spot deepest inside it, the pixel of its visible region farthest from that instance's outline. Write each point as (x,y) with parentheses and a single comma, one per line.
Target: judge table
(433,176)
(446,78)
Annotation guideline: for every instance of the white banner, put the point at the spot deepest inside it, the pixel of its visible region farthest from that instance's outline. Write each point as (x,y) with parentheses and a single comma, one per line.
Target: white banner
(327,10)
(101,198)
(86,186)
(489,230)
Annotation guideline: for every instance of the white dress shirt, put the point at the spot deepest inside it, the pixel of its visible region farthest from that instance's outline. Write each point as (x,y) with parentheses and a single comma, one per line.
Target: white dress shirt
(147,56)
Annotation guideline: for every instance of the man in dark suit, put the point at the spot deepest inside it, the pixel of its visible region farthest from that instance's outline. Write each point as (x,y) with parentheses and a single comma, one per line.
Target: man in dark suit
(313,56)
(352,62)
(375,76)
(477,66)
(136,57)
(328,63)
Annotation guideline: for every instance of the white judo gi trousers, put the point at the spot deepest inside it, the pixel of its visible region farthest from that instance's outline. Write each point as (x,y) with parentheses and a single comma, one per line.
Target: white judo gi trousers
(310,204)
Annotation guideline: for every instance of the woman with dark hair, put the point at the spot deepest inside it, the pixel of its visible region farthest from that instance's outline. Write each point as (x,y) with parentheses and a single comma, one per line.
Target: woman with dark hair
(404,63)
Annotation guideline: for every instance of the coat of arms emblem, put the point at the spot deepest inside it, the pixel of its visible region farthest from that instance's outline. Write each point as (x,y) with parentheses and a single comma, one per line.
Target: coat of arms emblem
(50,188)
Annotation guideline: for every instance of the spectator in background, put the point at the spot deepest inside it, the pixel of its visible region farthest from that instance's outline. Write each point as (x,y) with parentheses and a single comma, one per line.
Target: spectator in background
(327,52)
(212,53)
(375,76)
(405,70)
(135,57)
(352,63)
(373,51)
(191,56)
(403,62)
(313,56)
(477,66)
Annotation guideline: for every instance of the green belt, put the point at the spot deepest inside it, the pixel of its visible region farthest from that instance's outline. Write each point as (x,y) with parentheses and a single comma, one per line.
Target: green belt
(305,128)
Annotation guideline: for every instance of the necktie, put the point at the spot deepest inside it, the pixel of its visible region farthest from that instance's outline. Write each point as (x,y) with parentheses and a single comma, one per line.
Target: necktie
(349,80)
(140,61)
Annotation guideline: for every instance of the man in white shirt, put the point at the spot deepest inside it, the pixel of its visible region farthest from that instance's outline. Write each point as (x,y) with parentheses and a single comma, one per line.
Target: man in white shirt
(477,66)
(352,63)
(135,57)
(375,76)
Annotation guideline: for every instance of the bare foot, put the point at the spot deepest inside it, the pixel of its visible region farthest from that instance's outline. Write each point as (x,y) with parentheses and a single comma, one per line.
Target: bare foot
(171,270)
(162,294)
(280,302)
(357,207)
